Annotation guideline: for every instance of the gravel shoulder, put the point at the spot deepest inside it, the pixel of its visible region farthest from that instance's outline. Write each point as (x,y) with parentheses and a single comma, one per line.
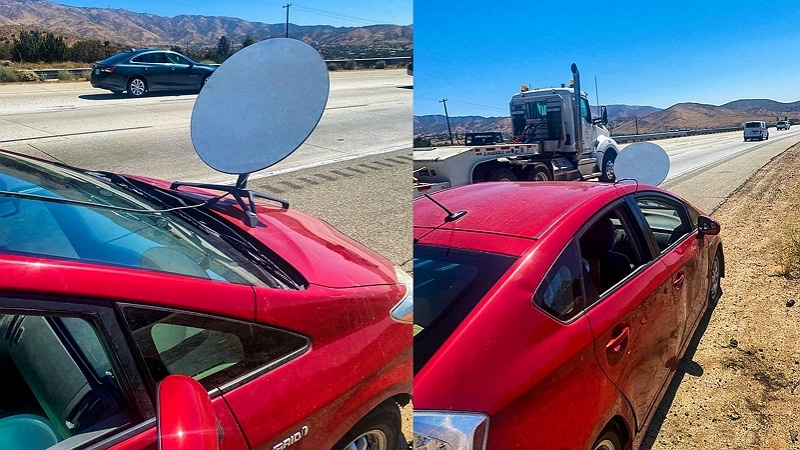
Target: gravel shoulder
(739,384)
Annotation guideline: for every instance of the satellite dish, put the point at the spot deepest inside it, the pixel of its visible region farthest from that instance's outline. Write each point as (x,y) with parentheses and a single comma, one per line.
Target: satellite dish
(645,162)
(259,106)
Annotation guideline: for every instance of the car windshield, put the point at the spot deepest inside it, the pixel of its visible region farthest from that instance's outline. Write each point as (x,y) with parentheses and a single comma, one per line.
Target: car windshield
(113,232)
(448,283)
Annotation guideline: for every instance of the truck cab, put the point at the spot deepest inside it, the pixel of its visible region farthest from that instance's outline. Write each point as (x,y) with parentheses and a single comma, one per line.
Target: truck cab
(547,117)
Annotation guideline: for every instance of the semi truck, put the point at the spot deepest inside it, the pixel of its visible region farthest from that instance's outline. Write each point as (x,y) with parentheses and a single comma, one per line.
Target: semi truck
(555,137)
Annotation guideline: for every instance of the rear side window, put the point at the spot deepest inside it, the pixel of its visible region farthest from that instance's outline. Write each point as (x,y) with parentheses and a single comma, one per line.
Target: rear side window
(212,350)
(561,292)
(448,283)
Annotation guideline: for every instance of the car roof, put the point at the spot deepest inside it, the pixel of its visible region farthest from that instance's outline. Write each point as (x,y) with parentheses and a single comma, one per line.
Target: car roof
(520,209)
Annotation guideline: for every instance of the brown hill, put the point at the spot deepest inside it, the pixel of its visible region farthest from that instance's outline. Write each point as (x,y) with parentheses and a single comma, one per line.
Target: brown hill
(695,115)
(138,29)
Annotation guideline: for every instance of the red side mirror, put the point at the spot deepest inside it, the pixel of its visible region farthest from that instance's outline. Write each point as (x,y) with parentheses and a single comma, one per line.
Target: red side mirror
(186,419)
(707,226)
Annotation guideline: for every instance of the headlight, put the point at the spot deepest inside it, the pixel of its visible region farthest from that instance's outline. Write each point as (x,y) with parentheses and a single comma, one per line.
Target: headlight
(403,311)
(450,430)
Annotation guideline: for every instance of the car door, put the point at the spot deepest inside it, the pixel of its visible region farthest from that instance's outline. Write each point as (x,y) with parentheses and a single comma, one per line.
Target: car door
(672,230)
(633,317)
(72,374)
(155,68)
(184,74)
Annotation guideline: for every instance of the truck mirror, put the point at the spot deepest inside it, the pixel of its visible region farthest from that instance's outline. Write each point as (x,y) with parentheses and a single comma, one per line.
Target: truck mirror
(604,115)
(185,416)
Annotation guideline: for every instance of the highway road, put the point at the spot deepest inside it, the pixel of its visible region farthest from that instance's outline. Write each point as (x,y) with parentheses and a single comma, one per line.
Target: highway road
(690,153)
(368,112)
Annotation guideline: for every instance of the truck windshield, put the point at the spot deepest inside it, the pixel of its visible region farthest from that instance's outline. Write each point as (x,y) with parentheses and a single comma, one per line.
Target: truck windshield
(448,283)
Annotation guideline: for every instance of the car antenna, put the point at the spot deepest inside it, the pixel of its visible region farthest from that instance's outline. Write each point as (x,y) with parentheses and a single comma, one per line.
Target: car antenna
(451,216)
(271,93)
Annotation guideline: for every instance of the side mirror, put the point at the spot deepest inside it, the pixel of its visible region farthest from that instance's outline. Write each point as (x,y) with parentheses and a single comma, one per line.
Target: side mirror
(707,226)
(185,416)
(604,115)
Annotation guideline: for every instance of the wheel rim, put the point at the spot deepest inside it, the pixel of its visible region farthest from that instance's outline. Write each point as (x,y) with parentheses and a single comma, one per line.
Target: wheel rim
(540,176)
(714,286)
(371,440)
(137,87)
(605,444)
(609,169)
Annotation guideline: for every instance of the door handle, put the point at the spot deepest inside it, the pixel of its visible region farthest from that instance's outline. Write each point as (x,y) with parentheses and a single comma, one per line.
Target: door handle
(678,283)
(617,343)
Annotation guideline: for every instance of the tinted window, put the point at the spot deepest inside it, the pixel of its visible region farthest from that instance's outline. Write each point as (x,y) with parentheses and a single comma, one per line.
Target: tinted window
(448,283)
(561,292)
(752,125)
(57,374)
(212,350)
(666,218)
(150,240)
(175,58)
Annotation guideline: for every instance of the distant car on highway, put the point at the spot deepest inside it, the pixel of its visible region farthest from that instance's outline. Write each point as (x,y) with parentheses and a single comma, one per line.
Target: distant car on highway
(756,130)
(149,70)
(783,125)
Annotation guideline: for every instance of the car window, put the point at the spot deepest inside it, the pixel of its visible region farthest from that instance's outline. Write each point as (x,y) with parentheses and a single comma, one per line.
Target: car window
(561,292)
(448,283)
(145,240)
(175,58)
(58,381)
(212,350)
(611,248)
(666,219)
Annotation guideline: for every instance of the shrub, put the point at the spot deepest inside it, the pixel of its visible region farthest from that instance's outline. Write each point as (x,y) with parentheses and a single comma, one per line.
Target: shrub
(381,64)
(350,64)
(7,74)
(86,75)
(65,75)
(789,253)
(332,67)
(27,75)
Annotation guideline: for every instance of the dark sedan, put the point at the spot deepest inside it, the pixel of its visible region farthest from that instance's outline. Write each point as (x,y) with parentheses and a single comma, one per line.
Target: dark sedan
(148,70)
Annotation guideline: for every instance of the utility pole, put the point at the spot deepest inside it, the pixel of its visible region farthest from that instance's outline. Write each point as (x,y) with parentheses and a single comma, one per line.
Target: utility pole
(447,117)
(287,18)
(636,119)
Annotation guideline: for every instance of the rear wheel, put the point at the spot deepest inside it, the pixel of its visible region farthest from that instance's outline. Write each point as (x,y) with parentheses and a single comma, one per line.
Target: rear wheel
(378,430)
(714,279)
(539,173)
(137,87)
(608,441)
(503,174)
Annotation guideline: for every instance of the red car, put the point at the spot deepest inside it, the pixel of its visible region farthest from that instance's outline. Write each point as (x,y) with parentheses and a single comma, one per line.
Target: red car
(112,283)
(553,314)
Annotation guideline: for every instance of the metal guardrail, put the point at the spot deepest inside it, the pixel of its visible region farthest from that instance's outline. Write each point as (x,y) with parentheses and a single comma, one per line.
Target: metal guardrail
(670,134)
(52,74)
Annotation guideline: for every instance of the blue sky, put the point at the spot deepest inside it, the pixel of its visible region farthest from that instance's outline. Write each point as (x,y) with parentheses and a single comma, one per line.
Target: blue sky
(346,13)
(656,53)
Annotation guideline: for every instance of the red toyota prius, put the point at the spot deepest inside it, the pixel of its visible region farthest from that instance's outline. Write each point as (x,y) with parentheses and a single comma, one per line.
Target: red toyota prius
(114,283)
(553,314)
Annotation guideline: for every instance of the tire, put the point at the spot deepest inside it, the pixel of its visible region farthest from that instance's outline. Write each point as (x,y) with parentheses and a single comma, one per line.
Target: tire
(137,87)
(608,441)
(714,279)
(502,174)
(378,430)
(607,169)
(539,173)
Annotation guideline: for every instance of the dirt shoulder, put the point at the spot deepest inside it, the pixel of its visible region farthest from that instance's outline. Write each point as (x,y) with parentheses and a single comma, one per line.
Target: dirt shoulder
(739,384)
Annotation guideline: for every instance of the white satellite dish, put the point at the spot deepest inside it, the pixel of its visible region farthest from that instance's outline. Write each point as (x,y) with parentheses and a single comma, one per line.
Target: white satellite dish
(644,162)
(260,105)
(257,108)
